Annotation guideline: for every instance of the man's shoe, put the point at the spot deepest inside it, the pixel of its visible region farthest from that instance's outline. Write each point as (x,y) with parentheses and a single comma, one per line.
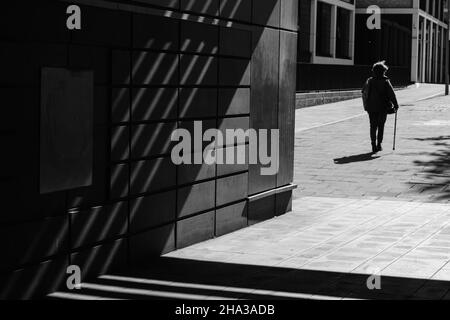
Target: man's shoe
(374,148)
(380,147)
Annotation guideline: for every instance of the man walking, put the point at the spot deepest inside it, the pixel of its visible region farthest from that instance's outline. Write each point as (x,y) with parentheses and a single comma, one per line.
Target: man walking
(379,100)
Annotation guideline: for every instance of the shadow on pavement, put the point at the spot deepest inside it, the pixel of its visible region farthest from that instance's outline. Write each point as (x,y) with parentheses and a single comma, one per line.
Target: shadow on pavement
(356,158)
(169,278)
(437,171)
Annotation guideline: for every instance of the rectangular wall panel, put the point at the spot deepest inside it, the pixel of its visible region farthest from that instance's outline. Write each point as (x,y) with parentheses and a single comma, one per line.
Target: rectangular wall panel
(264,97)
(286,106)
(66,129)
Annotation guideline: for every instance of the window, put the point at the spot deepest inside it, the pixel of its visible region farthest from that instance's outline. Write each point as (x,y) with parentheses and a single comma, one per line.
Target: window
(323,40)
(423,5)
(343,33)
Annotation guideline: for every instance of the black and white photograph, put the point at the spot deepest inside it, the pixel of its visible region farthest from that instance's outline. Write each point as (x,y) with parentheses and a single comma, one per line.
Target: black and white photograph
(219,157)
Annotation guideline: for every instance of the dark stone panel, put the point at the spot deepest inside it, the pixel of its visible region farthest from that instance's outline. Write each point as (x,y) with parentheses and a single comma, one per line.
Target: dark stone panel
(66,129)
(34,282)
(289,14)
(7,163)
(234,101)
(264,97)
(152,211)
(152,244)
(235,42)
(233,124)
(204,126)
(38,21)
(236,166)
(234,72)
(196,198)
(96,193)
(19,129)
(97,59)
(172,4)
(155,33)
(198,102)
(199,37)
(154,104)
(119,143)
(151,68)
(195,229)
(206,7)
(21,63)
(119,181)
(103,27)
(231,218)
(261,210)
(21,199)
(152,175)
(190,173)
(152,139)
(98,224)
(286,107)
(101,105)
(120,105)
(259,183)
(120,67)
(18,100)
(101,259)
(232,189)
(266,13)
(264,79)
(30,242)
(283,203)
(25,202)
(236,10)
(198,70)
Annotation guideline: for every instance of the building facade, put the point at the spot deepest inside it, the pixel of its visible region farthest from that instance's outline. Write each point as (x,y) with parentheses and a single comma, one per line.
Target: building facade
(336,48)
(412,34)
(87,179)
(326,31)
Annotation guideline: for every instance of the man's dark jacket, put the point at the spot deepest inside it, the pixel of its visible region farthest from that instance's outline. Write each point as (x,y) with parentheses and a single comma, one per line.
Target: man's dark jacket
(379,95)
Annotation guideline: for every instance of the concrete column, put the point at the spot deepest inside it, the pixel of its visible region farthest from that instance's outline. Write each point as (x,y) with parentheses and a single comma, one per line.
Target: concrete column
(352,36)
(436,55)
(424,50)
(313,33)
(442,53)
(415,48)
(333,30)
(430,53)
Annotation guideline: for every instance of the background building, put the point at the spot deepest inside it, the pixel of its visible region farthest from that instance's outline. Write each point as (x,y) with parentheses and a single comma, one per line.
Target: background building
(86,177)
(412,35)
(336,49)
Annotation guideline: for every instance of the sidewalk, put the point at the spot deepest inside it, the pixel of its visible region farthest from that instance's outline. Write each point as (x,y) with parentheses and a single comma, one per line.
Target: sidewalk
(312,117)
(354,216)
(334,160)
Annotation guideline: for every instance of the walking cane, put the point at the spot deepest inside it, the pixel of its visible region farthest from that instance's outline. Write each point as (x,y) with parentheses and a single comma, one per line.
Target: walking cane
(395,129)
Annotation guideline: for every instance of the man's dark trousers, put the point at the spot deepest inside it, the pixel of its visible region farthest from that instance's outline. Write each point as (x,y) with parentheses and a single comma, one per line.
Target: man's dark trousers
(377,123)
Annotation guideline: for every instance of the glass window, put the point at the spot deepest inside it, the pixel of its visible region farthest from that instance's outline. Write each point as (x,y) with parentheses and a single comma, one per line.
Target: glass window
(323,39)
(423,5)
(343,33)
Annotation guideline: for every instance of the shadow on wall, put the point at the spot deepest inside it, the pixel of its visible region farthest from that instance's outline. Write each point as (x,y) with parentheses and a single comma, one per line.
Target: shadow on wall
(141,171)
(435,173)
(168,279)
